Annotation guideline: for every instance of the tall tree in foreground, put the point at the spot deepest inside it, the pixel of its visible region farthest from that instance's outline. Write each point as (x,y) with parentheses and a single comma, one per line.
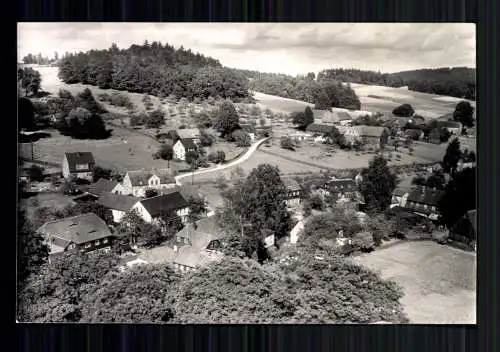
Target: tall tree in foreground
(464,113)
(378,184)
(30,80)
(452,156)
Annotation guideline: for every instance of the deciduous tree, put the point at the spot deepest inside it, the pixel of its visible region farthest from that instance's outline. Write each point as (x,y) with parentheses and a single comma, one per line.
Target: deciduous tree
(378,184)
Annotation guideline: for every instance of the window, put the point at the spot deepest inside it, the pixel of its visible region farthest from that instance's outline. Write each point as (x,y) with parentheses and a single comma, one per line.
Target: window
(179,239)
(81,166)
(97,243)
(88,245)
(105,241)
(433,208)
(71,246)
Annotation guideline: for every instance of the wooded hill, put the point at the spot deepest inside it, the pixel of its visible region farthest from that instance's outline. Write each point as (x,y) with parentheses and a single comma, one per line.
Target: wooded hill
(155,69)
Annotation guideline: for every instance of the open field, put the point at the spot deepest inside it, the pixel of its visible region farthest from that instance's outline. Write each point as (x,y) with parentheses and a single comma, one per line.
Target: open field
(124,150)
(279,104)
(385,99)
(439,282)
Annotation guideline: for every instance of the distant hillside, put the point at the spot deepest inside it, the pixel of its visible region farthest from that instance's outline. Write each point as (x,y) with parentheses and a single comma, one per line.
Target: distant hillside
(156,69)
(459,82)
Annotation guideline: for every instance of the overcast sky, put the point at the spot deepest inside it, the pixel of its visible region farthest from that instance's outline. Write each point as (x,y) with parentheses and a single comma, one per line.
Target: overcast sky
(290,48)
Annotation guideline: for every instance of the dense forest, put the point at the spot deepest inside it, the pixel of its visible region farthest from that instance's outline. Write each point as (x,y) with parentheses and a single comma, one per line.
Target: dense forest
(155,69)
(324,94)
(457,82)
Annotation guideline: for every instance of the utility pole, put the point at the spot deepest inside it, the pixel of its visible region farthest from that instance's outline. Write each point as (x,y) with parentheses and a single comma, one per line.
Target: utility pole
(32,151)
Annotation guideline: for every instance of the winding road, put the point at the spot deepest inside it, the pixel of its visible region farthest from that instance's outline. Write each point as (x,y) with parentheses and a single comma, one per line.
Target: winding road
(241,159)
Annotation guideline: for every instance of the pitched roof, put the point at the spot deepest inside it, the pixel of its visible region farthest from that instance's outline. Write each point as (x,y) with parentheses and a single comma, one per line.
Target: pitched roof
(163,203)
(291,184)
(188,133)
(370,131)
(425,195)
(188,143)
(79,158)
(141,177)
(343,115)
(77,229)
(201,234)
(341,185)
(324,115)
(450,124)
(319,128)
(102,186)
(118,201)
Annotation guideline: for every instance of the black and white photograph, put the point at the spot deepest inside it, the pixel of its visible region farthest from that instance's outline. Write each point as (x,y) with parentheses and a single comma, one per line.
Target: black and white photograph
(259,173)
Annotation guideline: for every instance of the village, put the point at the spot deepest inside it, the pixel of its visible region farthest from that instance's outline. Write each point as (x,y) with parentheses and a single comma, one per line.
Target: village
(339,181)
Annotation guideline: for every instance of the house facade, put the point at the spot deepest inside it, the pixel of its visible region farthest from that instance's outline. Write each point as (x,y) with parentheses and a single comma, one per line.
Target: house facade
(78,165)
(151,209)
(423,201)
(138,181)
(182,146)
(371,135)
(85,232)
(294,192)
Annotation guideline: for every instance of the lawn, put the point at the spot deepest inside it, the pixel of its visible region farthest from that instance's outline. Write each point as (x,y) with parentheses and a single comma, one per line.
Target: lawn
(279,104)
(124,150)
(439,281)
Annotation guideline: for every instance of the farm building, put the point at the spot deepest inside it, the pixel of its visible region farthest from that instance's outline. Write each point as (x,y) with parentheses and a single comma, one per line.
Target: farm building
(342,189)
(465,229)
(370,135)
(86,232)
(182,146)
(454,127)
(137,182)
(293,192)
(319,131)
(118,204)
(399,197)
(325,116)
(78,165)
(103,186)
(151,209)
(424,201)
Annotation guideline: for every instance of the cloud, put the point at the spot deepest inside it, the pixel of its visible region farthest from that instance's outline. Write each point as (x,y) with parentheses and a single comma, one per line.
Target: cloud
(274,47)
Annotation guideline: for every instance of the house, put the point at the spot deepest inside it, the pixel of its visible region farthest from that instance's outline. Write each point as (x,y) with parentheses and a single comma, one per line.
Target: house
(138,181)
(118,204)
(319,132)
(151,209)
(343,118)
(103,186)
(300,136)
(86,232)
(454,127)
(325,116)
(371,135)
(342,189)
(204,235)
(78,165)
(465,229)
(182,146)
(294,192)
(189,133)
(423,201)
(399,197)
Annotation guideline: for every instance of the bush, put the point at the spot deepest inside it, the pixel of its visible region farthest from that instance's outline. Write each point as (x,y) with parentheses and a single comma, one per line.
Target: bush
(65,94)
(121,100)
(206,139)
(151,193)
(287,143)
(136,120)
(155,119)
(405,110)
(104,97)
(217,157)
(182,127)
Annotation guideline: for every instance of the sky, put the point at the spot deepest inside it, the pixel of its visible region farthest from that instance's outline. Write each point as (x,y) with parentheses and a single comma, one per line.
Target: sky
(291,48)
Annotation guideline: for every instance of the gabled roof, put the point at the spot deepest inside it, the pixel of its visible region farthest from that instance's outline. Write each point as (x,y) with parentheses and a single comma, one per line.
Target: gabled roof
(77,229)
(118,201)
(188,143)
(425,195)
(102,186)
(291,184)
(141,177)
(201,234)
(343,115)
(164,203)
(369,131)
(188,133)
(79,158)
(319,128)
(449,124)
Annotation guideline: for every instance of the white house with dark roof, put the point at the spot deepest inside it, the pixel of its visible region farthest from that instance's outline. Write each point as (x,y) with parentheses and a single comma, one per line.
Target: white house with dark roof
(151,209)
(182,146)
(86,232)
(79,165)
(119,204)
(294,192)
(138,181)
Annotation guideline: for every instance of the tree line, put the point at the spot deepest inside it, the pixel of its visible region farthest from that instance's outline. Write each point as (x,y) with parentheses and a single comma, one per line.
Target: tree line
(457,82)
(323,93)
(155,69)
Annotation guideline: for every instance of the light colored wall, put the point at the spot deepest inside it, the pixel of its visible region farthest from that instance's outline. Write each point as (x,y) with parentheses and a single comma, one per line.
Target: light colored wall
(179,151)
(117,215)
(65,168)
